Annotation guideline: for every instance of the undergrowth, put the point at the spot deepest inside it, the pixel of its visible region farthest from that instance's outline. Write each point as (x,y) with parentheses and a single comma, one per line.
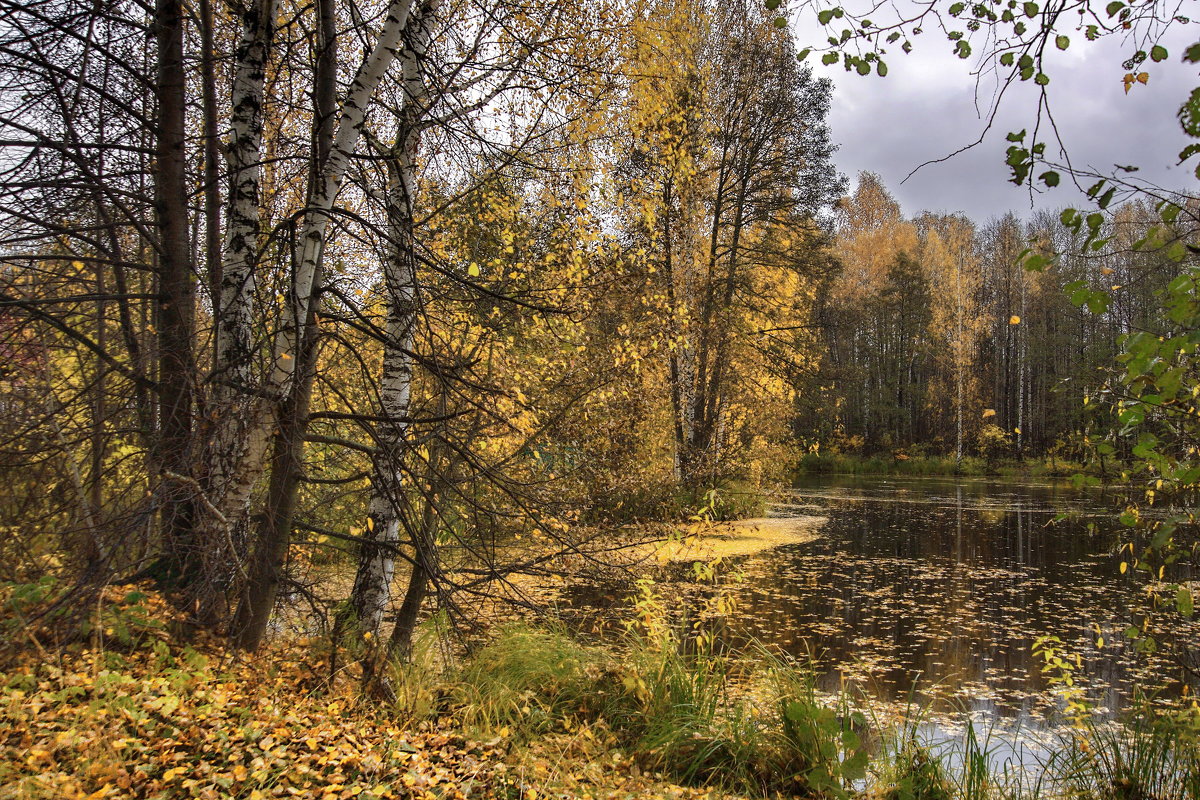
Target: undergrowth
(530,713)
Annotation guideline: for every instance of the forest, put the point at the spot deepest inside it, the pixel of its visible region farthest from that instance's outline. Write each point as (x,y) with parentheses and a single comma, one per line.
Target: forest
(344,342)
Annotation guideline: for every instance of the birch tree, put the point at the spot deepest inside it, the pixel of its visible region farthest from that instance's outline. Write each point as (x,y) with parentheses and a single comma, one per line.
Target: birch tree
(949,253)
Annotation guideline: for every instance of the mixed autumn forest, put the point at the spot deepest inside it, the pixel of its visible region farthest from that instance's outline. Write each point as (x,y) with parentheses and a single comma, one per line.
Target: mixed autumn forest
(336,317)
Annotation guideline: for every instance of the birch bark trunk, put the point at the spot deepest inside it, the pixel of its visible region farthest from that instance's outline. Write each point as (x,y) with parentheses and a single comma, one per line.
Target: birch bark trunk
(225,427)
(376,566)
(238,456)
(287,459)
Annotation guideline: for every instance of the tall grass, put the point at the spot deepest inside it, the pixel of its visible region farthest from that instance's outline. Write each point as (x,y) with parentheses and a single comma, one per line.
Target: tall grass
(751,722)
(1146,759)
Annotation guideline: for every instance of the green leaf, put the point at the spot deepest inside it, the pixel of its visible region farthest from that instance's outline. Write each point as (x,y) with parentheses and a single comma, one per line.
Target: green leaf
(803,54)
(1050,178)
(1042,79)
(772,4)
(1113,7)
(829,58)
(1107,197)
(781,22)
(1184,601)
(1192,54)
(963,49)
(1007,59)
(1034,262)
(1170,213)
(863,68)
(957,9)
(1031,9)
(825,16)
(1158,53)
(1016,137)
(1062,42)
(881,69)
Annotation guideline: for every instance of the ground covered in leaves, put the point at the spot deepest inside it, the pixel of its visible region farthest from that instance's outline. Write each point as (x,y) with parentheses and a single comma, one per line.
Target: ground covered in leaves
(148,718)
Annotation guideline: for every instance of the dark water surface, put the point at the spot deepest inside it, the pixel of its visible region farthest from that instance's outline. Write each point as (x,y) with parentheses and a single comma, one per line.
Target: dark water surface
(941,587)
(935,589)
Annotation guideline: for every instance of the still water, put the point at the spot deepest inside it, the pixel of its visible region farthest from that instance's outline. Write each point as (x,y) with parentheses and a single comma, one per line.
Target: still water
(940,587)
(934,590)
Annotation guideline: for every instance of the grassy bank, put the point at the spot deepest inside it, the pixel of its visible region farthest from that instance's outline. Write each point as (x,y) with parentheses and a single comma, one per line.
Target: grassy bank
(531,713)
(844,464)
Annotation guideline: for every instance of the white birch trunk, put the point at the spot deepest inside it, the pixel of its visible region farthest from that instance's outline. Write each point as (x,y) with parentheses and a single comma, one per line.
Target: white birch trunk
(377,559)
(234,323)
(232,399)
(240,457)
(961,358)
(316,220)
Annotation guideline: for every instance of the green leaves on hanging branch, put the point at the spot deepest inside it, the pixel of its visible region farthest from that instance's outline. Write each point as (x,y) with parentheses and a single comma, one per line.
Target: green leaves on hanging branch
(1020,160)
(863,64)
(1189,112)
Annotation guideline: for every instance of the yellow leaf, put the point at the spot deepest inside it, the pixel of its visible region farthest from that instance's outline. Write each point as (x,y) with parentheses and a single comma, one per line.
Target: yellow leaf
(473,270)
(370,523)
(1124,566)
(989,412)
(1014,320)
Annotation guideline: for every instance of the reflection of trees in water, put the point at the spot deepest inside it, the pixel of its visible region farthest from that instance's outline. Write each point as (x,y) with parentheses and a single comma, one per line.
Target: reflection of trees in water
(943,588)
(948,595)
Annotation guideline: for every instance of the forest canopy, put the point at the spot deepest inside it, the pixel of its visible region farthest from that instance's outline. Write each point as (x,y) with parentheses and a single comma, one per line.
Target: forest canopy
(436,292)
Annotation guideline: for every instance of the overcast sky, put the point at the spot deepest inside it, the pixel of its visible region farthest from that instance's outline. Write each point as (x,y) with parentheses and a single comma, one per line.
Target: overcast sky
(926,108)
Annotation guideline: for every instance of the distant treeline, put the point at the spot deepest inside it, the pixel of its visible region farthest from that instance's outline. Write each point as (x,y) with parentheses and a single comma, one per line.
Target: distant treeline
(936,338)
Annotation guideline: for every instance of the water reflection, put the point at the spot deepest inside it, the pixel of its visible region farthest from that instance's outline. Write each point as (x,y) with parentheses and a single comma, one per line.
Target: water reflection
(940,588)
(933,591)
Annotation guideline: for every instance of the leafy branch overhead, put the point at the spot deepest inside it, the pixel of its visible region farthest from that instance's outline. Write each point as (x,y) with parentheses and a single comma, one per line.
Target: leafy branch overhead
(1014,42)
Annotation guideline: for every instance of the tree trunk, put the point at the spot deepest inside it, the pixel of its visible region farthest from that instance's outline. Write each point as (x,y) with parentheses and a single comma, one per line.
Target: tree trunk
(242,440)
(176,306)
(376,565)
(212,155)
(275,528)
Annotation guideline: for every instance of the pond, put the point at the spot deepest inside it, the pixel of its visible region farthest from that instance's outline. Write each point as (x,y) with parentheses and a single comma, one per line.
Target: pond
(933,590)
